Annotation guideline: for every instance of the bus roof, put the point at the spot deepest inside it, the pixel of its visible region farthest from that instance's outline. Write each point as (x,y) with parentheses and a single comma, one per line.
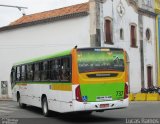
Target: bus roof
(67,52)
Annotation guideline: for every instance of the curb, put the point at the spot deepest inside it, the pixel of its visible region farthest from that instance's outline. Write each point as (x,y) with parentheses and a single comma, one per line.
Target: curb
(6,99)
(144,97)
(144,102)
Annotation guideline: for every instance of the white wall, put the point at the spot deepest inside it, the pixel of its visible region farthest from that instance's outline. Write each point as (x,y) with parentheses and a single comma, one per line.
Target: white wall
(149,48)
(25,43)
(130,17)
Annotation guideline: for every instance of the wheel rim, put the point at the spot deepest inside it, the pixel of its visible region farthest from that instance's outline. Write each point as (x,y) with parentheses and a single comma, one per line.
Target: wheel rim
(45,107)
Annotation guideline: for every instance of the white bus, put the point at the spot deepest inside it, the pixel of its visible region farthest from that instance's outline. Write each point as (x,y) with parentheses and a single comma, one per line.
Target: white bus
(77,80)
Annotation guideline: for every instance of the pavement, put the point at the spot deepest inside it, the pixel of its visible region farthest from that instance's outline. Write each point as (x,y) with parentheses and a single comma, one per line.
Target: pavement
(136,112)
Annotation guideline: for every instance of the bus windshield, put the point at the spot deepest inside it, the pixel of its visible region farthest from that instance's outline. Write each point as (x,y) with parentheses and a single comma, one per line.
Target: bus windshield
(99,59)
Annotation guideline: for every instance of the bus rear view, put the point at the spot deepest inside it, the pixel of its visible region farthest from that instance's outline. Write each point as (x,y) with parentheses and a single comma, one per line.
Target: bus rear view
(77,80)
(100,79)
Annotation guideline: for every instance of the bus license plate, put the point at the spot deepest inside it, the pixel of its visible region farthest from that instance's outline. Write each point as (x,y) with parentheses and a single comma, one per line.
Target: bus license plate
(104,105)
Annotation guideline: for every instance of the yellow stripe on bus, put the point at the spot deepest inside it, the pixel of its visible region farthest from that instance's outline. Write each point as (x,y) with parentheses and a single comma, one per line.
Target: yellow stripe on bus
(62,87)
(21,84)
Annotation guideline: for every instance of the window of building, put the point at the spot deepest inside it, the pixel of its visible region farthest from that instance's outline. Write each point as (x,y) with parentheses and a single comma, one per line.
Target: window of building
(150,76)
(121,34)
(148,34)
(133,35)
(108,31)
(148,3)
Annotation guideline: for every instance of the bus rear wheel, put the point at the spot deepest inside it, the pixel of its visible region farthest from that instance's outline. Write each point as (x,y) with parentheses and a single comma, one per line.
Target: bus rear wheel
(45,109)
(21,105)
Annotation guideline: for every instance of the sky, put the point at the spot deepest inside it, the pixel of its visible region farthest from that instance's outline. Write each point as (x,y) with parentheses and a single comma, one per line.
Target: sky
(8,15)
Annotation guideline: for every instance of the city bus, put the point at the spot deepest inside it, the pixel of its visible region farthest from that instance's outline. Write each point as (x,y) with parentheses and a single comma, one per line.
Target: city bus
(77,80)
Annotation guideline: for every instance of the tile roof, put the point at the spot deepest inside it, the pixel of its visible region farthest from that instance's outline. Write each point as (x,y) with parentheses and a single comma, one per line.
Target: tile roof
(79,8)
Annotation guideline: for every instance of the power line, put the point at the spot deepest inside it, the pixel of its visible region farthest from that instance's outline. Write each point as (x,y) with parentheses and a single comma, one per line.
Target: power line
(20,8)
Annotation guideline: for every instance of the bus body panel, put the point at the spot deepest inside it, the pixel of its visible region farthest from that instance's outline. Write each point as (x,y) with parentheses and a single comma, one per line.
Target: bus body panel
(59,99)
(63,104)
(95,106)
(112,87)
(102,92)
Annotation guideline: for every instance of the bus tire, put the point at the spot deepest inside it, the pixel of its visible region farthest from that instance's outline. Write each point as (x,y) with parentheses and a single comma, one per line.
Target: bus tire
(45,109)
(21,105)
(85,113)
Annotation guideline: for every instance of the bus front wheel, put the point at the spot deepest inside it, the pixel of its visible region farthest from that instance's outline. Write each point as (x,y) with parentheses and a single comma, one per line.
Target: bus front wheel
(45,107)
(21,105)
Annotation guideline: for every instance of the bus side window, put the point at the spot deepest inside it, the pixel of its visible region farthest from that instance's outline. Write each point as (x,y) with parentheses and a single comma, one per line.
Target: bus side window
(18,74)
(44,71)
(33,70)
(52,70)
(23,73)
(40,70)
(13,77)
(65,69)
(30,71)
(37,72)
(58,70)
(49,69)
(55,70)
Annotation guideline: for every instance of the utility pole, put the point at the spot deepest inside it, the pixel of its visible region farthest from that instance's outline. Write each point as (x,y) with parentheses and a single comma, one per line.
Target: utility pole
(20,8)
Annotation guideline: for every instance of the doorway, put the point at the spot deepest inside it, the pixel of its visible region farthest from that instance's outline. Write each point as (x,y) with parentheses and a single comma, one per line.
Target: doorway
(150,76)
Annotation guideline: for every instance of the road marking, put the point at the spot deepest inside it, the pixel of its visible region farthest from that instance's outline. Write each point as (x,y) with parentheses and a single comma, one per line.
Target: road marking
(5,111)
(1,104)
(8,108)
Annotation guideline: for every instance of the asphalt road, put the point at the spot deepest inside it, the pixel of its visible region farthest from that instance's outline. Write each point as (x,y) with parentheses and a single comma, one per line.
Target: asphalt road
(11,113)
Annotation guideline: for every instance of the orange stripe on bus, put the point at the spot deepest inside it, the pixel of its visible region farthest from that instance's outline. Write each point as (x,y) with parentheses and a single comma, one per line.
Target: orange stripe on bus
(75,79)
(21,84)
(126,66)
(61,87)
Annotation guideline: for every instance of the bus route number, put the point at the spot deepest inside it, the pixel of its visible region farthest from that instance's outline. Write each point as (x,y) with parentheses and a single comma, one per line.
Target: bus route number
(119,93)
